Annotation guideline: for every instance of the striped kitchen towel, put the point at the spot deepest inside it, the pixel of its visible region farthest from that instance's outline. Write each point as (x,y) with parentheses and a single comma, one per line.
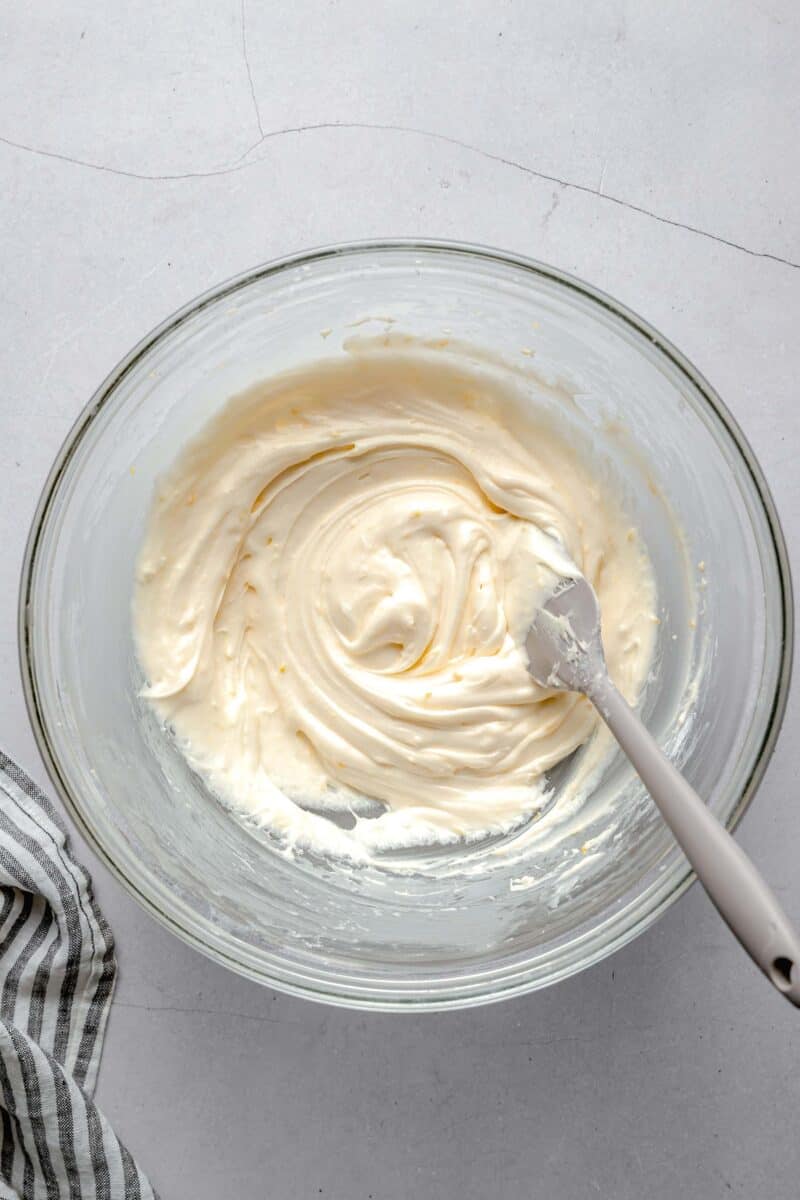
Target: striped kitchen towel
(57,972)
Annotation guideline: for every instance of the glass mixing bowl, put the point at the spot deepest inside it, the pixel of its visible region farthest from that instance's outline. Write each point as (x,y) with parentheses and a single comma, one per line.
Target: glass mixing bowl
(432,931)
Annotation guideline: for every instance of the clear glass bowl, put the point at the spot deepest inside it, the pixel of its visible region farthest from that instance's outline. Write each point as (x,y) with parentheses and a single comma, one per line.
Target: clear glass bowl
(453,930)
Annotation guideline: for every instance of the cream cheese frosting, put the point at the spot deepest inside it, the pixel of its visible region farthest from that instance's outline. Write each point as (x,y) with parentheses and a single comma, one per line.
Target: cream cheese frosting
(333,589)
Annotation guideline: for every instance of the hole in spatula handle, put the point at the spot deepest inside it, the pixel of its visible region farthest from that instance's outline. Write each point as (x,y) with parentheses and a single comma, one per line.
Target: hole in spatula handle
(782,973)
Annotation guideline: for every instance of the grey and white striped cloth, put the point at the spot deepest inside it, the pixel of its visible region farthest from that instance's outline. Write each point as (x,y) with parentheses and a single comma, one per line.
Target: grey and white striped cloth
(57,971)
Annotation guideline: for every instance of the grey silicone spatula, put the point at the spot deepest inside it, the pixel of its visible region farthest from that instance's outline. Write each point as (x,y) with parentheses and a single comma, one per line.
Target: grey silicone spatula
(565,651)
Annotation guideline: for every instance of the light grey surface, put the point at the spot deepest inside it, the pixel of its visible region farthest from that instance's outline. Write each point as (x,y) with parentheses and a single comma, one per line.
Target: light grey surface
(134,175)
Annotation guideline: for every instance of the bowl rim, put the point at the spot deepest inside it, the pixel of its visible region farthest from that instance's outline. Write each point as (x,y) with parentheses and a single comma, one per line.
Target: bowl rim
(289,980)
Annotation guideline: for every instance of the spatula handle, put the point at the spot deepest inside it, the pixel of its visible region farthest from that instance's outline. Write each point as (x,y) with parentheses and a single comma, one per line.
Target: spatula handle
(742,897)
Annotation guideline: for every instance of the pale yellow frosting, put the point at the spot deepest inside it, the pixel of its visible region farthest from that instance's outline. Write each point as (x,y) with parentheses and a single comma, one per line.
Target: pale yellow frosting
(333,588)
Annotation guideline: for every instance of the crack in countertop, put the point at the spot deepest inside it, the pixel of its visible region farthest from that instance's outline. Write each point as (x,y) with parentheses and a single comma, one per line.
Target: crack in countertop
(207,1012)
(244,162)
(249,72)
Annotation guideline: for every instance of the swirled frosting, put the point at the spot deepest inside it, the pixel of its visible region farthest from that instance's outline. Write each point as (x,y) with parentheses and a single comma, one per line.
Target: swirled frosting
(332,591)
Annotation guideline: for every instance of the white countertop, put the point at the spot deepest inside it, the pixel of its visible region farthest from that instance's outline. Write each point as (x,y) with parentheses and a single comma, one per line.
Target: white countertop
(149,151)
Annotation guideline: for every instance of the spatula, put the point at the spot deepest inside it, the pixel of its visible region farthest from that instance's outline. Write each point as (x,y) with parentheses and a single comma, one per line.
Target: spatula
(565,652)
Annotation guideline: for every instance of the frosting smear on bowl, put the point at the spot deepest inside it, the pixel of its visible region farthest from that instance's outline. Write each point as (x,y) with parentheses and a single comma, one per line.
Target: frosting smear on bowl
(333,588)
